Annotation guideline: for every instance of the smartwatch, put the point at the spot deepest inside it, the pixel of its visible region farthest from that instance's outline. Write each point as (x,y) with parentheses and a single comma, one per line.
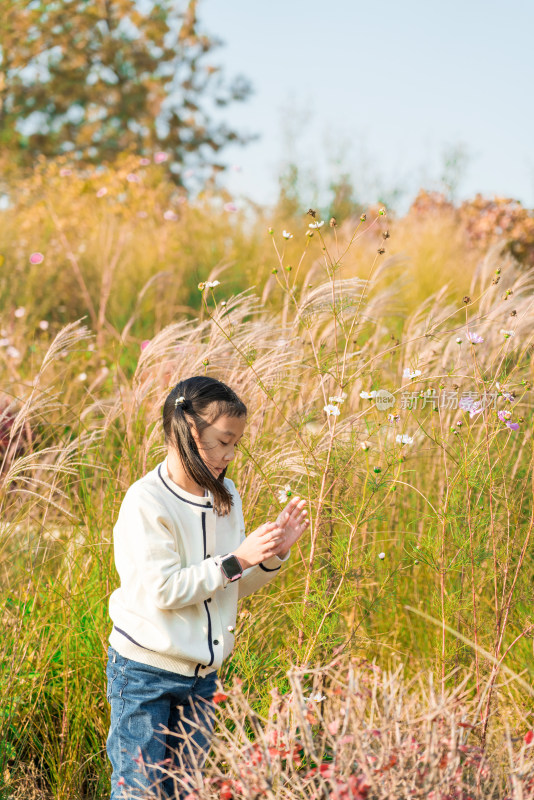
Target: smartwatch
(231,567)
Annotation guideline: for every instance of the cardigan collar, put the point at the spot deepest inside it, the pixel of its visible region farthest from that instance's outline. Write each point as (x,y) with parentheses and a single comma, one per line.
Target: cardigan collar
(192,499)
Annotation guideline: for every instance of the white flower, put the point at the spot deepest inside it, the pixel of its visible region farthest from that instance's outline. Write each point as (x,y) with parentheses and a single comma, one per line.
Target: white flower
(458,340)
(212,284)
(393,417)
(365,445)
(4,342)
(330,409)
(411,373)
(474,338)
(287,235)
(368,395)
(403,438)
(285,493)
(101,192)
(12,352)
(43,325)
(170,216)
(507,334)
(318,697)
(19,312)
(382,556)
(336,398)
(316,224)
(82,376)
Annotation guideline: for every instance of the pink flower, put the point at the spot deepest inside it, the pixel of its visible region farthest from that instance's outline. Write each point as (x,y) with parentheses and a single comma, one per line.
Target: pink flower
(230,207)
(132,178)
(101,192)
(144,344)
(160,157)
(170,215)
(36,258)
(65,172)
(474,338)
(144,162)
(514,426)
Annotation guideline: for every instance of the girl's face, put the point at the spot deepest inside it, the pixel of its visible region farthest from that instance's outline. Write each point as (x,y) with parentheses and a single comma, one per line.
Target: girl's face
(217,442)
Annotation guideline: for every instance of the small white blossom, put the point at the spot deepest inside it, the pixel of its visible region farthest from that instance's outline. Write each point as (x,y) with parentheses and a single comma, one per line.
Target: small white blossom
(4,342)
(403,438)
(285,493)
(43,325)
(331,409)
(393,417)
(368,395)
(12,352)
(170,216)
(507,334)
(318,697)
(212,284)
(82,376)
(458,340)
(411,373)
(316,224)
(336,398)
(382,556)
(365,445)
(19,312)
(287,235)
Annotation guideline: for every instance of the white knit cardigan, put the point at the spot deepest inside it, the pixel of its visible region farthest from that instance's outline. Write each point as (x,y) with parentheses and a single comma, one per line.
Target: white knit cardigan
(174,608)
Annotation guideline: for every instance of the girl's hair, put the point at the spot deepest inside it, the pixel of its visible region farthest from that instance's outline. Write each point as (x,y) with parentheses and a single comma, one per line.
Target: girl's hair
(203,397)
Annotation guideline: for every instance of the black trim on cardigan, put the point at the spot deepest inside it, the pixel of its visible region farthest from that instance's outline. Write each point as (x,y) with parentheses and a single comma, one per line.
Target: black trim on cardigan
(133,640)
(212,653)
(185,500)
(268,569)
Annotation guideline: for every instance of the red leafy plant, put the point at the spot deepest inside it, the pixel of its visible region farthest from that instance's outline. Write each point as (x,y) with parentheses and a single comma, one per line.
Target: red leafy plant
(352,731)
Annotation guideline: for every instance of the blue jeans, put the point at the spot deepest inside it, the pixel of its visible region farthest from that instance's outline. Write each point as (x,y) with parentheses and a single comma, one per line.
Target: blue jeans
(142,699)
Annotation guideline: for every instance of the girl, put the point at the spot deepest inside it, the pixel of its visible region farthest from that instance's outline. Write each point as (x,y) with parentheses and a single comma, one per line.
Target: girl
(184,562)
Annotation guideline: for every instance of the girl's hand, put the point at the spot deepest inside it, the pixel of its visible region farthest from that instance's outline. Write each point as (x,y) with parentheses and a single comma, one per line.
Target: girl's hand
(293,520)
(259,545)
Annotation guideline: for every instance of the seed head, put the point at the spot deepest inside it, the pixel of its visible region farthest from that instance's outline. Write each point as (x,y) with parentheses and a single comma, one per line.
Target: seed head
(363,217)
(312,212)
(333,222)
(467,299)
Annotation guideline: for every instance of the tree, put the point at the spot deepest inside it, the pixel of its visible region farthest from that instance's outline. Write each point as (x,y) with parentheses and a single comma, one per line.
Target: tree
(94,78)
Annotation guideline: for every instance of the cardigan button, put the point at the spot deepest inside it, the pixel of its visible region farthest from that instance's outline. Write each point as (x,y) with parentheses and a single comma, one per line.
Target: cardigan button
(215,641)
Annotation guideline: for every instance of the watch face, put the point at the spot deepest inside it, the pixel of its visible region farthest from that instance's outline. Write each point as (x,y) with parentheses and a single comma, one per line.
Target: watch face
(231,567)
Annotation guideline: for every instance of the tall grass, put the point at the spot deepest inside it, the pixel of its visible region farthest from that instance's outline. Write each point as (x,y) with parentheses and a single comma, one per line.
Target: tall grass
(418,548)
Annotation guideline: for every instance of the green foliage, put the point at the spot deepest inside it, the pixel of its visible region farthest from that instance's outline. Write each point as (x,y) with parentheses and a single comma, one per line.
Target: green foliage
(97,79)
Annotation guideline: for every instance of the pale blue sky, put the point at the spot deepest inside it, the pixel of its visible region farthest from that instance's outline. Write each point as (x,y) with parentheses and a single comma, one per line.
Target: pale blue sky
(383,87)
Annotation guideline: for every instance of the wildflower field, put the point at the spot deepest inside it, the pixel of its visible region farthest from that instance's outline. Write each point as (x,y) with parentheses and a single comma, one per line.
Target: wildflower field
(386,364)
